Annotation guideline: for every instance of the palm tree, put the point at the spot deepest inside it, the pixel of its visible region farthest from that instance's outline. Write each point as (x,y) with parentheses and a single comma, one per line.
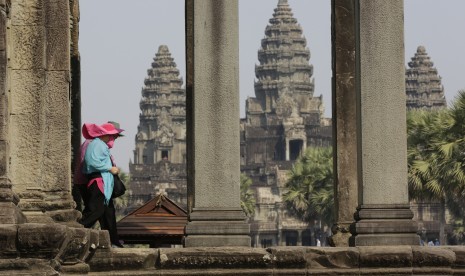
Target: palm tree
(247,196)
(435,157)
(310,194)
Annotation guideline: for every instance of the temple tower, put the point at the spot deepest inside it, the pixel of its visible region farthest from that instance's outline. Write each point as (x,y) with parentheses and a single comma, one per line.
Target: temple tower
(284,85)
(282,120)
(284,91)
(423,84)
(160,152)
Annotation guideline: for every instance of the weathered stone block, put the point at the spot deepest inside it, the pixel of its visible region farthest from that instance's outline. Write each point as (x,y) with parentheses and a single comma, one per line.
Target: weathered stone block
(459,252)
(124,259)
(104,239)
(385,256)
(347,257)
(76,269)
(40,240)
(7,195)
(214,257)
(58,49)
(76,246)
(11,214)
(28,47)
(56,13)
(27,12)
(24,266)
(432,256)
(8,234)
(427,259)
(65,215)
(288,257)
(27,93)
(95,238)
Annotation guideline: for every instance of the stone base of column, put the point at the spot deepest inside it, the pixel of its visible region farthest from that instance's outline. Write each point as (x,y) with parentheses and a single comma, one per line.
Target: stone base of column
(384,224)
(10,214)
(218,227)
(43,209)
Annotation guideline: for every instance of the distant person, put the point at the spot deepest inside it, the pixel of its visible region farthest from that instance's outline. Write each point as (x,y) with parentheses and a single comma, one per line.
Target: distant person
(318,242)
(99,168)
(79,178)
(430,243)
(436,242)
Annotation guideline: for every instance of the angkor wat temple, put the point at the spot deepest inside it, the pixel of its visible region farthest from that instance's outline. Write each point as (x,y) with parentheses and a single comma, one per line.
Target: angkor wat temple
(159,164)
(281,121)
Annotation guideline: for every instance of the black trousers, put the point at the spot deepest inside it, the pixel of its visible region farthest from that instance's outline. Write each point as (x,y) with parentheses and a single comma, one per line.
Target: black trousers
(80,196)
(96,210)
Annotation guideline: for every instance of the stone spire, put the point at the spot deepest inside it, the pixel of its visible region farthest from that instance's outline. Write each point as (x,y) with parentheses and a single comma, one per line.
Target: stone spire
(284,64)
(423,84)
(162,107)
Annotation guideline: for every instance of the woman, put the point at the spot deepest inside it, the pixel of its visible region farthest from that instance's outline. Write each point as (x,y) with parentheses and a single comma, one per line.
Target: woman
(99,168)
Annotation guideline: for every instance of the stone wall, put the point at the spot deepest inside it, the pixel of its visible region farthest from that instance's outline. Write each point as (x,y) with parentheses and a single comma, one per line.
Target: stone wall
(30,249)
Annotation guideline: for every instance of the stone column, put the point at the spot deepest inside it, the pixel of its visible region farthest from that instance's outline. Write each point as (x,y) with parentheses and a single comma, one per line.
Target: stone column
(299,238)
(40,115)
(10,213)
(344,119)
(212,36)
(383,216)
(288,153)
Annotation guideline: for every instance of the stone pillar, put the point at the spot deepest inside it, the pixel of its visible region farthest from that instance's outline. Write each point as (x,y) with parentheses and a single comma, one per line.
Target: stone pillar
(212,36)
(344,119)
(299,238)
(288,153)
(383,216)
(10,213)
(40,115)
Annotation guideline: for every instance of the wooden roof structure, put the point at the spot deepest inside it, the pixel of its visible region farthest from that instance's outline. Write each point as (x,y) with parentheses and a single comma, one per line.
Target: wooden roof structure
(158,222)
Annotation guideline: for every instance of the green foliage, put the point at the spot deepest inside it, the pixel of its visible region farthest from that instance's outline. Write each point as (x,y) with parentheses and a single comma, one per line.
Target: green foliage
(247,196)
(310,194)
(436,155)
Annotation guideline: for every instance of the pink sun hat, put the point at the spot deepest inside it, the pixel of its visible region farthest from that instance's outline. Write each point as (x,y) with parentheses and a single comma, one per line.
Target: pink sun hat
(90,131)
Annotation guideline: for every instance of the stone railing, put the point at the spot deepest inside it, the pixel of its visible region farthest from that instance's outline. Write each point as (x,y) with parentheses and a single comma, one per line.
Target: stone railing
(387,260)
(54,249)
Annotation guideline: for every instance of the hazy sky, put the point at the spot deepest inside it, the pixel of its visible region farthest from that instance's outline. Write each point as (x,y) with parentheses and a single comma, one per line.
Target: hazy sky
(118,40)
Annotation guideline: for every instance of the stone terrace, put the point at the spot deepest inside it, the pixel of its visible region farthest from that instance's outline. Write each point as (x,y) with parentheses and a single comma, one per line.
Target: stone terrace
(31,249)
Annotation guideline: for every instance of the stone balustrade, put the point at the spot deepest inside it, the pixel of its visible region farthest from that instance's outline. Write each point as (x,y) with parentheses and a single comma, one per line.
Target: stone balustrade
(53,249)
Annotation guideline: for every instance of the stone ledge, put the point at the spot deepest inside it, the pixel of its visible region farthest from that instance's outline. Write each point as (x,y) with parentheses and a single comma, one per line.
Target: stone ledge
(214,257)
(72,253)
(116,259)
